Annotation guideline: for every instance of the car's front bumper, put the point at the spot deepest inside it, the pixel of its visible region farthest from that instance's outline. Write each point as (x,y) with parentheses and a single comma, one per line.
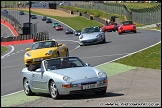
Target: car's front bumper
(77,87)
(31,60)
(90,41)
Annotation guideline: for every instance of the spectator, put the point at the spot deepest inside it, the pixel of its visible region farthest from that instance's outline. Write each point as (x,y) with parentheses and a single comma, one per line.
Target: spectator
(106,23)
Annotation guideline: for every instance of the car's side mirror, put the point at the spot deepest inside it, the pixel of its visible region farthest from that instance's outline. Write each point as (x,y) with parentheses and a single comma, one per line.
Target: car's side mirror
(27,49)
(87,64)
(60,44)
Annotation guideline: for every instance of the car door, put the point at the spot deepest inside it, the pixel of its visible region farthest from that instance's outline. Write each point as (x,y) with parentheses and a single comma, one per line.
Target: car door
(39,79)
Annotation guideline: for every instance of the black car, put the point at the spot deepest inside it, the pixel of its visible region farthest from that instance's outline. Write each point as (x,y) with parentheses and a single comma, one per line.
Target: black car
(44,18)
(33,16)
(68,31)
(48,20)
(77,32)
(21,13)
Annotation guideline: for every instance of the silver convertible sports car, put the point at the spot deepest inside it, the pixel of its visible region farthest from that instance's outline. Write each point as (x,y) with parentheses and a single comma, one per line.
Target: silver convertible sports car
(92,35)
(63,76)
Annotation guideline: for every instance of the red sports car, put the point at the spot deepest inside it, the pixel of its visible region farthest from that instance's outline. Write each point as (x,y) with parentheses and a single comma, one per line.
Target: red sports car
(58,27)
(110,27)
(127,26)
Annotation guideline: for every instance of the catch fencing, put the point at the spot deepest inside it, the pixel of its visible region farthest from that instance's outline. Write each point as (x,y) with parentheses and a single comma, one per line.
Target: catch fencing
(147,15)
(141,16)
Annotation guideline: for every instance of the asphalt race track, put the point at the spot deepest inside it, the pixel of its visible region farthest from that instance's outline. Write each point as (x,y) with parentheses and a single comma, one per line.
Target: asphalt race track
(5,31)
(116,46)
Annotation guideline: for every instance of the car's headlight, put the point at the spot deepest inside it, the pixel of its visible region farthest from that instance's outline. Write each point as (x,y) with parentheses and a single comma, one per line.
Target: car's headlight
(66,78)
(27,55)
(81,36)
(49,52)
(98,36)
(102,74)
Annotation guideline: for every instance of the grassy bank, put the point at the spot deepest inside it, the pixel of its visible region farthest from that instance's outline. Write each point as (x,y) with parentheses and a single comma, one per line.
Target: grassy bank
(3,49)
(74,22)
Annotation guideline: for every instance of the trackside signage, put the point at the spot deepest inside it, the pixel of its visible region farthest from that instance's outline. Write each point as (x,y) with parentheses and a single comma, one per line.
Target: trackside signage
(40,5)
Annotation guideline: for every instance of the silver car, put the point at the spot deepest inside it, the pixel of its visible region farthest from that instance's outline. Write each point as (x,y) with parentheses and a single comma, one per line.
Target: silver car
(63,76)
(91,35)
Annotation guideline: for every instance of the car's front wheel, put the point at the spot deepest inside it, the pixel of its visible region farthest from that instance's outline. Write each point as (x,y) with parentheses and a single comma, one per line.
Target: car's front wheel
(27,65)
(104,40)
(53,90)
(27,89)
(119,33)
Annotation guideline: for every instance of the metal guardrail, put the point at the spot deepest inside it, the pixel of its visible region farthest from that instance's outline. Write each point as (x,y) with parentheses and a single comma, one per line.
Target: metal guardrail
(40,36)
(13,21)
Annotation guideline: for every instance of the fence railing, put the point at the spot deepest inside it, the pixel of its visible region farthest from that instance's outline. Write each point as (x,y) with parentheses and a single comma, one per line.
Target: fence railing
(147,15)
(40,36)
(141,16)
(13,21)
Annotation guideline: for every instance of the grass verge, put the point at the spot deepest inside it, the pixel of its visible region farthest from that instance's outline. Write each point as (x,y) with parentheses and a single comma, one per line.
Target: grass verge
(3,49)
(149,58)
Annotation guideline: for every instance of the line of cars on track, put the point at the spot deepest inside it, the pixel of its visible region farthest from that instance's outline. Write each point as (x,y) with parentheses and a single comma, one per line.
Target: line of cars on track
(126,26)
(50,69)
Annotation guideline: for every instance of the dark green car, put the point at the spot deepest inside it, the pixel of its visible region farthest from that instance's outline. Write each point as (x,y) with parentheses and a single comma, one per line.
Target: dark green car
(55,24)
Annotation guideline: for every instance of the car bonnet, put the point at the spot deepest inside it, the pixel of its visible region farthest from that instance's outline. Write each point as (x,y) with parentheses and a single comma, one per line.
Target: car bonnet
(90,35)
(40,52)
(77,73)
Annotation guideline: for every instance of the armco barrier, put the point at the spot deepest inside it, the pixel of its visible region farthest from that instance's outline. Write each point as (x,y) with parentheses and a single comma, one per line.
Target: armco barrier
(10,40)
(10,26)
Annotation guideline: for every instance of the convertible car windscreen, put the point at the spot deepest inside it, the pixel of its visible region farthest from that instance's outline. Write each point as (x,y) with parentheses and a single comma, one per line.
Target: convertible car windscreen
(127,22)
(91,30)
(61,63)
(41,45)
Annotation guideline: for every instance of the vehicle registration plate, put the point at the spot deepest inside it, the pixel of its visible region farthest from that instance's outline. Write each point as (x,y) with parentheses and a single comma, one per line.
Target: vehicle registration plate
(127,31)
(38,59)
(89,40)
(89,86)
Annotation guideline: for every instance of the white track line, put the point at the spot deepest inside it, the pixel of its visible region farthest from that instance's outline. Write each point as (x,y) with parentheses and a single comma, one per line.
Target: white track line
(129,54)
(10,66)
(98,65)
(8,45)
(9,52)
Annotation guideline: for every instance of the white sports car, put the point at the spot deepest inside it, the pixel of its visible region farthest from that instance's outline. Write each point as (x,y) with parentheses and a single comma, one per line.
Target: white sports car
(92,35)
(63,76)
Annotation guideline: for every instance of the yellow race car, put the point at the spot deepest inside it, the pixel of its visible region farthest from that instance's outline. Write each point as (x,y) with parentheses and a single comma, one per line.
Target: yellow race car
(42,50)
